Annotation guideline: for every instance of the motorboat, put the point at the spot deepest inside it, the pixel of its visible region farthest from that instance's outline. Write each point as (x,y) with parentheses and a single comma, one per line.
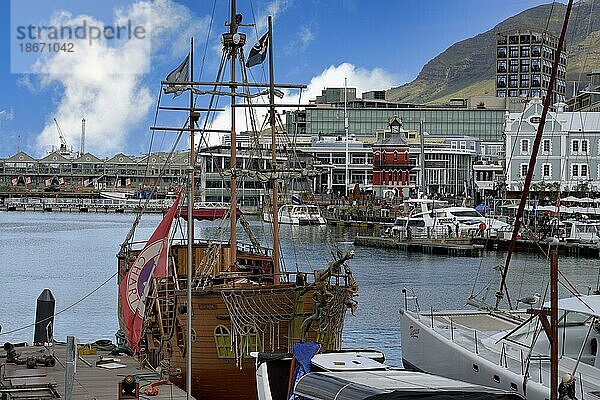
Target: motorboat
(297,214)
(506,350)
(429,217)
(582,231)
(358,374)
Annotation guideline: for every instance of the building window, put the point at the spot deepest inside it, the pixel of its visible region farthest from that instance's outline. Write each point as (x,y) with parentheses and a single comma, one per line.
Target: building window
(524,170)
(584,146)
(524,146)
(547,146)
(574,170)
(501,81)
(583,169)
(546,170)
(501,66)
(574,146)
(223,342)
(395,155)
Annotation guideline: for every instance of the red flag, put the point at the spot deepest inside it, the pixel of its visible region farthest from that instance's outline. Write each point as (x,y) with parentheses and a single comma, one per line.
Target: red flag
(150,263)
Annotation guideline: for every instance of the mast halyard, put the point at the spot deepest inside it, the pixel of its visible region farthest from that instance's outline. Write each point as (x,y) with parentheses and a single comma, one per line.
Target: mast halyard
(533,159)
(276,267)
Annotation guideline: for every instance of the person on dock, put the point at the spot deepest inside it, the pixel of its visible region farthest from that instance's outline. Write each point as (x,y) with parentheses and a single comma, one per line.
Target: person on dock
(566,389)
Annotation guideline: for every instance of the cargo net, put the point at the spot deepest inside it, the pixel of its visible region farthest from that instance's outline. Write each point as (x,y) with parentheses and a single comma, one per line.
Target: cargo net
(257,317)
(260,319)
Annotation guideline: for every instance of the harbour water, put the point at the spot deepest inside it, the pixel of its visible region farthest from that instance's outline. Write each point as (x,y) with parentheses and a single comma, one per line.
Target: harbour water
(73,254)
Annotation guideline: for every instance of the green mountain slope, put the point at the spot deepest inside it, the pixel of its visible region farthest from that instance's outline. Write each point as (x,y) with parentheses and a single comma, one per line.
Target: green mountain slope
(467,68)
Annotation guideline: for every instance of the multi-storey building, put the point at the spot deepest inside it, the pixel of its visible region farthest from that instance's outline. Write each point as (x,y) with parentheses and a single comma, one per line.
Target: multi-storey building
(524,63)
(366,117)
(569,155)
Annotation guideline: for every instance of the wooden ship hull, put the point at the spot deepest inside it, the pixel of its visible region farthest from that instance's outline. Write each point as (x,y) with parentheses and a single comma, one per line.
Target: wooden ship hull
(235,313)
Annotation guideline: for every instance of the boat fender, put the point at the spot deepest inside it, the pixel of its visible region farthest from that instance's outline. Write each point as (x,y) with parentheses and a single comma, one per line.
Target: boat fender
(482,226)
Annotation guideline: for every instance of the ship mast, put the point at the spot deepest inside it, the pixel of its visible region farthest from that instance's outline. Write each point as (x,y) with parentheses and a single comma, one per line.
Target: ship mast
(233,48)
(190,225)
(276,268)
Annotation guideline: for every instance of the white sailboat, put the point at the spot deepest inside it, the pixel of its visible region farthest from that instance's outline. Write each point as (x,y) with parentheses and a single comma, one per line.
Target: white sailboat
(519,350)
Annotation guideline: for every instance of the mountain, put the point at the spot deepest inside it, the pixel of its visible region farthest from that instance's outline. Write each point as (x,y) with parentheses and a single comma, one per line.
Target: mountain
(468,67)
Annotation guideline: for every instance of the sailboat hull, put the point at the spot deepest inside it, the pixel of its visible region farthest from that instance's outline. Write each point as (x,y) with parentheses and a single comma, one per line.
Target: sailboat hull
(465,349)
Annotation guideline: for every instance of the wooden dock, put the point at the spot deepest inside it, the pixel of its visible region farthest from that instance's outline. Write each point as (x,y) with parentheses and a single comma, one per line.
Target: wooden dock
(449,247)
(97,376)
(588,250)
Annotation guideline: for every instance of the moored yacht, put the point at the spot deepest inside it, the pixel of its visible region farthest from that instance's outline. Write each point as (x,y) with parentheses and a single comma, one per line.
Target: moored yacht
(436,217)
(506,350)
(297,214)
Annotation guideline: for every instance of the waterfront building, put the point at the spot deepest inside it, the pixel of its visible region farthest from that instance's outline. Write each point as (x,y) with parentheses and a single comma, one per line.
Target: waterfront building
(524,63)
(391,162)
(329,155)
(366,117)
(569,155)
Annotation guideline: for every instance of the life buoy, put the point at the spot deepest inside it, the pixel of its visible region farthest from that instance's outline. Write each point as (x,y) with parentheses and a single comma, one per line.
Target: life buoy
(482,226)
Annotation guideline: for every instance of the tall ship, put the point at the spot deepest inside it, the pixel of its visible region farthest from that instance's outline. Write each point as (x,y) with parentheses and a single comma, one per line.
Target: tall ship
(196,307)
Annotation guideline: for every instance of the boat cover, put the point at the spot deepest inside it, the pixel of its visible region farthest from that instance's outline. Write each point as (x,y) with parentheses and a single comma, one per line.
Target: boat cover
(390,385)
(589,305)
(206,214)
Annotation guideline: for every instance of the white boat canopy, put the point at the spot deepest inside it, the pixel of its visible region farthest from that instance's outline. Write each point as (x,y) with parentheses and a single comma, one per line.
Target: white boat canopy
(589,305)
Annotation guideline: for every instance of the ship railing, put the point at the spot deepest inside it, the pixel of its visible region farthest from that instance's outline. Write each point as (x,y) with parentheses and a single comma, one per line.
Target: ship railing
(241,279)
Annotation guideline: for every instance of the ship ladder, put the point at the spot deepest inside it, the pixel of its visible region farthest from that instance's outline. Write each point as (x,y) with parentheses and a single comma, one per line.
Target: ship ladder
(165,304)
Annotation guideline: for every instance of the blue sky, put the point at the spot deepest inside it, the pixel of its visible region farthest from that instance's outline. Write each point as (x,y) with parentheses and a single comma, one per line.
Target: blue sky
(376,44)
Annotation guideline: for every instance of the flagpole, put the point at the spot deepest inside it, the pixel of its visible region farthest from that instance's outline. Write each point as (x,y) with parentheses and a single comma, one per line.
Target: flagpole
(346,129)
(276,270)
(190,244)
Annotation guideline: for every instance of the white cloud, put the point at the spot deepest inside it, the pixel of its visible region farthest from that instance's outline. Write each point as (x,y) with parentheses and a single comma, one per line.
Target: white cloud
(361,79)
(303,38)
(103,82)
(274,8)
(6,115)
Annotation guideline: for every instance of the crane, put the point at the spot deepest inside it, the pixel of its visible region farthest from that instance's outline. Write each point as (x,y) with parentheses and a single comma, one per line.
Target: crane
(64,148)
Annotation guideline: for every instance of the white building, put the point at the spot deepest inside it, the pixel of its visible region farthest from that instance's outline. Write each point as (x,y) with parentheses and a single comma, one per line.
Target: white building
(569,154)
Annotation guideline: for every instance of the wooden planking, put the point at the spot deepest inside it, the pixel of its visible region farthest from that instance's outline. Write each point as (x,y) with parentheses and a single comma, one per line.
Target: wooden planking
(93,382)
(22,373)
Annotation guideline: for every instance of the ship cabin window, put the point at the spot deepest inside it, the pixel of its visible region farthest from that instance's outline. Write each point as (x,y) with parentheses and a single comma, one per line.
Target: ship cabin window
(475,367)
(416,223)
(513,386)
(223,342)
(496,379)
(250,340)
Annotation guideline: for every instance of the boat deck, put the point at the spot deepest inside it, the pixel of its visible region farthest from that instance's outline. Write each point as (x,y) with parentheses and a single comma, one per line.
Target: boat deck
(477,332)
(97,376)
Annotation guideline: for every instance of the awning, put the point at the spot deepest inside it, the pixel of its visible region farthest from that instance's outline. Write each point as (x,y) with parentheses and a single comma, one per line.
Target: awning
(206,214)
(589,305)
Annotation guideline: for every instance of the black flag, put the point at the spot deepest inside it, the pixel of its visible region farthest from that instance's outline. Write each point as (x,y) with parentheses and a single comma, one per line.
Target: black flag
(258,52)
(179,74)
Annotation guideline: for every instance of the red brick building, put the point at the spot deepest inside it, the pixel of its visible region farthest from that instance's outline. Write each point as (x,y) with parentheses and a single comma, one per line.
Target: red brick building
(391,165)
